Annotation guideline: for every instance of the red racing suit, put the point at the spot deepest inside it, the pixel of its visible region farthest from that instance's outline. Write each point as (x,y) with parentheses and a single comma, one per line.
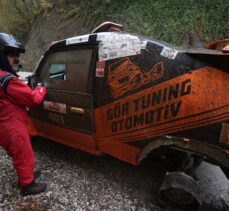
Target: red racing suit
(15,96)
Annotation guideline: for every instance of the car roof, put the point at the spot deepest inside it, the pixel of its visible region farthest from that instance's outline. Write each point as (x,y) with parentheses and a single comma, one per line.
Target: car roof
(114,43)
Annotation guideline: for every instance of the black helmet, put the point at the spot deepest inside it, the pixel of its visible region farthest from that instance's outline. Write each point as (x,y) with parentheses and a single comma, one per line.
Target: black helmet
(8,43)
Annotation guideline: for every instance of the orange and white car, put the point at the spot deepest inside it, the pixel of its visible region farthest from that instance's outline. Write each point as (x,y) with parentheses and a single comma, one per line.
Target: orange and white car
(111,92)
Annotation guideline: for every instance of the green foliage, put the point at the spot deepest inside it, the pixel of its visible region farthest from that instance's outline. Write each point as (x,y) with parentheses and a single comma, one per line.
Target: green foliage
(72,12)
(167,20)
(17,16)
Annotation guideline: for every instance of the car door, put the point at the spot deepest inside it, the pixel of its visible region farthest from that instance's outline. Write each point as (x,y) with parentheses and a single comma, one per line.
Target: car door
(67,73)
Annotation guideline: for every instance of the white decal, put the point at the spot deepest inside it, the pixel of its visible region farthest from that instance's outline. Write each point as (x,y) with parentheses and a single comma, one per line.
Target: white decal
(116,45)
(53,106)
(169,53)
(113,45)
(79,39)
(143,44)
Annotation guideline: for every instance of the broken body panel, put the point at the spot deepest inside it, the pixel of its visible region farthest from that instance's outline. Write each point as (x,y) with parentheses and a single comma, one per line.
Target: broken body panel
(122,95)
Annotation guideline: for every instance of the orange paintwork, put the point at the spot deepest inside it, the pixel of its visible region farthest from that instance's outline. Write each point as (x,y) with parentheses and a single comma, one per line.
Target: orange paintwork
(226,49)
(121,151)
(197,102)
(86,143)
(200,104)
(224,138)
(215,44)
(66,136)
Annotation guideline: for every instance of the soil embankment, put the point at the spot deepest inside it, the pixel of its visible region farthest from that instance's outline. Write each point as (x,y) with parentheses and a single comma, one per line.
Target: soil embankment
(45,30)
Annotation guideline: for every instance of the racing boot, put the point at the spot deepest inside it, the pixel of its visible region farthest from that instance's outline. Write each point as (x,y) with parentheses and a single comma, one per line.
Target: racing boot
(33,188)
(36,173)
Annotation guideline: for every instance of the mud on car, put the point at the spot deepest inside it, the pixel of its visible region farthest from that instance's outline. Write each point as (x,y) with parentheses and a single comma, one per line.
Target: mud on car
(110,92)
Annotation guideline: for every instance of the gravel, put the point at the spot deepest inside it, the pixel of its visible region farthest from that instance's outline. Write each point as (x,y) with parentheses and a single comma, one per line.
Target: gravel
(80,181)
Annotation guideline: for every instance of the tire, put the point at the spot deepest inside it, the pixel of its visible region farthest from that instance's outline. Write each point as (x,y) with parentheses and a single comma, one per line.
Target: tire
(179,189)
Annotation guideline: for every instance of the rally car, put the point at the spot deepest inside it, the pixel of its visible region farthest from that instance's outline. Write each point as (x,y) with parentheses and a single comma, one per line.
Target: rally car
(110,92)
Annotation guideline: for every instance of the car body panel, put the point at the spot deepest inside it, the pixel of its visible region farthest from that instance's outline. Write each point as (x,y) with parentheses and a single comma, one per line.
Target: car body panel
(137,90)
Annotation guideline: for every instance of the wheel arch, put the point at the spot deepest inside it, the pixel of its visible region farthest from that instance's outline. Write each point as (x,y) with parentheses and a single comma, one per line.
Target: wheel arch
(211,152)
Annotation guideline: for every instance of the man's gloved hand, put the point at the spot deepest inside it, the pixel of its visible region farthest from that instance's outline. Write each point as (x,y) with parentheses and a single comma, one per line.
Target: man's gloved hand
(40,88)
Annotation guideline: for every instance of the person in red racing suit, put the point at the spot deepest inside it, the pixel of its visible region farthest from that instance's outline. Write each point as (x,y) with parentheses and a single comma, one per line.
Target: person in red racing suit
(15,96)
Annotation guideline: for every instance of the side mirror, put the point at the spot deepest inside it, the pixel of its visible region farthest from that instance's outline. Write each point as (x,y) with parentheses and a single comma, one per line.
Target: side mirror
(32,81)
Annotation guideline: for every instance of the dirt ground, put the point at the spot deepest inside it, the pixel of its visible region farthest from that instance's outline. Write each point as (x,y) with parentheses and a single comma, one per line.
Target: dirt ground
(79,181)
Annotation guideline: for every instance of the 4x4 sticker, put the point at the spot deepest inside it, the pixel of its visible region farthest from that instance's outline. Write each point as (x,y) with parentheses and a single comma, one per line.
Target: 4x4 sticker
(124,76)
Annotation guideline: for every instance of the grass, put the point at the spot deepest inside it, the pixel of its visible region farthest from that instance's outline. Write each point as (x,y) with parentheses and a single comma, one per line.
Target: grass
(166,20)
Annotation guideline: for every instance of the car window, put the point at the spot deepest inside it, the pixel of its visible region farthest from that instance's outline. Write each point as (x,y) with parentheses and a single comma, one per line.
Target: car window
(58,71)
(67,70)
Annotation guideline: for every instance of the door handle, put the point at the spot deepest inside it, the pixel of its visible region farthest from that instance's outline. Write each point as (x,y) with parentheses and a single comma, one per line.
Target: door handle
(77,110)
